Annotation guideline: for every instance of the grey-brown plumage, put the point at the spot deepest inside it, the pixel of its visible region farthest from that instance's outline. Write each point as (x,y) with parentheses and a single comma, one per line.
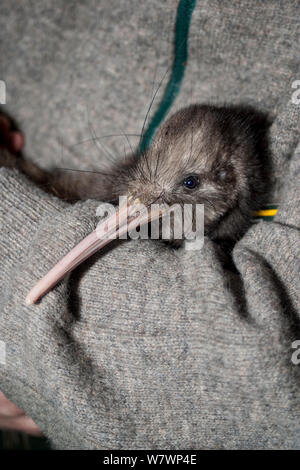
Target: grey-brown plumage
(211,155)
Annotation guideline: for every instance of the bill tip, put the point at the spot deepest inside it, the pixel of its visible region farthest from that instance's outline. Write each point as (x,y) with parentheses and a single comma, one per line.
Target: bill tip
(29,300)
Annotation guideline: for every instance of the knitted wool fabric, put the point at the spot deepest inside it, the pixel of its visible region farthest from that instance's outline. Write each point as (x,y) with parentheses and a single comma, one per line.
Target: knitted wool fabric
(142,346)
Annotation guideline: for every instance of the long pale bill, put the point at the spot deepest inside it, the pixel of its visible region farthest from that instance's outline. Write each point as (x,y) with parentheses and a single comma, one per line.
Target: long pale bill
(120,222)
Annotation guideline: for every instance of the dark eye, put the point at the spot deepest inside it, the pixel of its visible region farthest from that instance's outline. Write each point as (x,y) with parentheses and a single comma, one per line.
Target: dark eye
(191,182)
(222,174)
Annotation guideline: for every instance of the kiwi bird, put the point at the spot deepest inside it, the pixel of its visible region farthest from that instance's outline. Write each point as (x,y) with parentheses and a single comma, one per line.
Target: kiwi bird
(203,154)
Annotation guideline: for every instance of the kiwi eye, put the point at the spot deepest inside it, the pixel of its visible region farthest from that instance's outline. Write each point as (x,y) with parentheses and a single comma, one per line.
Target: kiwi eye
(222,174)
(191,182)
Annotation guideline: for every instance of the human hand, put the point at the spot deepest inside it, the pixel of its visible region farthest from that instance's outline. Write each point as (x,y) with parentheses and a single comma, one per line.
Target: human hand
(14,419)
(10,139)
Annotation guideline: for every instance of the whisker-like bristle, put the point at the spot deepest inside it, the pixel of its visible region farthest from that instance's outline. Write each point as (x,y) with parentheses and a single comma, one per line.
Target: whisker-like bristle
(151,103)
(102,147)
(84,171)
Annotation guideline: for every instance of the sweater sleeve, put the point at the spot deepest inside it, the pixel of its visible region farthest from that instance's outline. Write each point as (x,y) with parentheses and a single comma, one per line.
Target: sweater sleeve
(268,257)
(36,230)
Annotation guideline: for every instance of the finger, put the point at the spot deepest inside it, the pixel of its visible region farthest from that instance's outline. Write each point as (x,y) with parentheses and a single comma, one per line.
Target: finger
(20,423)
(15,141)
(7,408)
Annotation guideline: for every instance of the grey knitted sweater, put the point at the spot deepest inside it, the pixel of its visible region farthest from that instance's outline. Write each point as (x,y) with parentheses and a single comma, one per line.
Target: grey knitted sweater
(142,346)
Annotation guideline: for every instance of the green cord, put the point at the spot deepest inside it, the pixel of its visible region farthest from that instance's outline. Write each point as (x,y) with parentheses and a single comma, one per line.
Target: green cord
(183,19)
